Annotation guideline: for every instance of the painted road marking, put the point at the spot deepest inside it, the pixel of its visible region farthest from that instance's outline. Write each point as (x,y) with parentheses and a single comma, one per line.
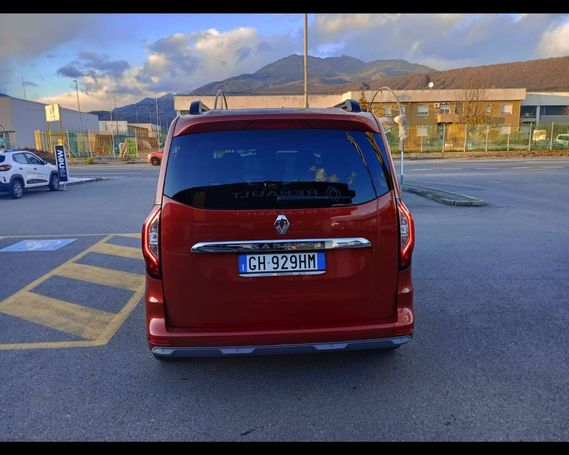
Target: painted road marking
(135,235)
(522,167)
(96,326)
(57,314)
(118,250)
(486,168)
(37,245)
(100,275)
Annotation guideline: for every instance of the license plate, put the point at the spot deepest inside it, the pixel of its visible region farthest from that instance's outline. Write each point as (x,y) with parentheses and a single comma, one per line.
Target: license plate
(282,264)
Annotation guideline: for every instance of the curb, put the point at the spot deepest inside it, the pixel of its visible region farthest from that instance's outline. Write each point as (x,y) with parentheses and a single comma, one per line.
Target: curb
(444,197)
(87,180)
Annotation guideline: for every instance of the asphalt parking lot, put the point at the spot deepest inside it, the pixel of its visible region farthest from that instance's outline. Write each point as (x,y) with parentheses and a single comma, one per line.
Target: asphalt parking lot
(489,360)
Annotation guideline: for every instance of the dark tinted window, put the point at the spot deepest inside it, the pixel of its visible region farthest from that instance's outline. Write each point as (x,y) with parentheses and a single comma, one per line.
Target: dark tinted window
(2,158)
(264,169)
(19,158)
(554,110)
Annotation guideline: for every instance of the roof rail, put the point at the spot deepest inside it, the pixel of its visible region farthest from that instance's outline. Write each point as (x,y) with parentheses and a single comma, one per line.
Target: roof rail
(349,106)
(222,101)
(197,108)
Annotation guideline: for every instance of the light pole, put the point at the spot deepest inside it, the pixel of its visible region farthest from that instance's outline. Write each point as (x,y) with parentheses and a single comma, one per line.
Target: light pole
(157,121)
(400,119)
(78,106)
(305,60)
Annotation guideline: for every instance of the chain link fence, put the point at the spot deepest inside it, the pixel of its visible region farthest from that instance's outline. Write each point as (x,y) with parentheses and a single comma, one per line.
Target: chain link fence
(464,138)
(91,144)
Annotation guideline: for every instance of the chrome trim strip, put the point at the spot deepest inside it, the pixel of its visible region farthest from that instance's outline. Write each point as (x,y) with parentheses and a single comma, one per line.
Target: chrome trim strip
(307,272)
(268,246)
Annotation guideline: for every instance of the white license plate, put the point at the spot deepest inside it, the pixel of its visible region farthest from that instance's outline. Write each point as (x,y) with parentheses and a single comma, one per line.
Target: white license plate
(282,264)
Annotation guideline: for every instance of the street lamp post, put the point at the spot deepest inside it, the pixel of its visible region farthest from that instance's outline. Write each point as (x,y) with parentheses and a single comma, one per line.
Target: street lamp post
(78,106)
(400,119)
(157,121)
(305,60)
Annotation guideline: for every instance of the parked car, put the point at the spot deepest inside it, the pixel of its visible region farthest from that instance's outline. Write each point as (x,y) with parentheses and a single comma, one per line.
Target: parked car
(155,158)
(562,140)
(20,170)
(277,231)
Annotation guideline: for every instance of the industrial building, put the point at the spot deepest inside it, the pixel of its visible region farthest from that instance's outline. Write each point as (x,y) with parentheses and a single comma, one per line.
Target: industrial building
(498,106)
(20,118)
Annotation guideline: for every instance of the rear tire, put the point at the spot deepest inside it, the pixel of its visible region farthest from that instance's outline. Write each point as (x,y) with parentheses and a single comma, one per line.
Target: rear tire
(16,190)
(155,162)
(54,182)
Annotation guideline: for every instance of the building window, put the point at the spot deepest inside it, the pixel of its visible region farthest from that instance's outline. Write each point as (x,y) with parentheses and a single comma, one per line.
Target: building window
(505,130)
(506,108)
(554,110)
(528,111)
(387,110)
(488,109)
(422,110)
(458,108)
(444,108)
(422,131)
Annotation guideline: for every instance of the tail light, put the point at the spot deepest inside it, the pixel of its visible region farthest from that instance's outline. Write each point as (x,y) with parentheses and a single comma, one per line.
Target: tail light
(406,235)
(151,243)
(5,167)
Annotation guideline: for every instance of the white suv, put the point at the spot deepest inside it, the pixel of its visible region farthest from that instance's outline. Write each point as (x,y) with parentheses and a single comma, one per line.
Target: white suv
(20,170)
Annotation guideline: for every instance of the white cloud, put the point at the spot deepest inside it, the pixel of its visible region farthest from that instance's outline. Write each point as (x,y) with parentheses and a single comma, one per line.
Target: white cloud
(554,43)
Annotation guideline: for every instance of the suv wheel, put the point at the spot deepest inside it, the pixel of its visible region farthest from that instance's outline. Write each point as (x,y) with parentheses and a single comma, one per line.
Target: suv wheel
(155,161)
(54,182)
(16,189)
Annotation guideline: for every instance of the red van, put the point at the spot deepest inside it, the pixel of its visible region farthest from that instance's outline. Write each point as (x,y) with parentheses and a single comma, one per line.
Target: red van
(277,231)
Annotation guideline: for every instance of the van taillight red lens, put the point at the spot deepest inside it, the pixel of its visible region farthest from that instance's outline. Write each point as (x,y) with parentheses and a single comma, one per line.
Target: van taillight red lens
(406,235)
(151,243)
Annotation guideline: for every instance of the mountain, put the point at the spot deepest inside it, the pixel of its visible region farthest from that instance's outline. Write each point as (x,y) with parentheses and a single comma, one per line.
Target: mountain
(550,74)
(285,74)
(342,74)
(143,111)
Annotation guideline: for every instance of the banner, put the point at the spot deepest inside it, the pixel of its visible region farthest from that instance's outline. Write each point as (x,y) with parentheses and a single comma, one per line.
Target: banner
(61,163)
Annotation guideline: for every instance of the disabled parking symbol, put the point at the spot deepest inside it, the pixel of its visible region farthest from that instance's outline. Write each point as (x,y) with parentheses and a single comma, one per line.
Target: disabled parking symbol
(37,245)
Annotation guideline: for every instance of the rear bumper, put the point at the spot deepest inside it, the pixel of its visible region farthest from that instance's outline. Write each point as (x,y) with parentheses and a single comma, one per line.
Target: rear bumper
(275,349)
(168,341)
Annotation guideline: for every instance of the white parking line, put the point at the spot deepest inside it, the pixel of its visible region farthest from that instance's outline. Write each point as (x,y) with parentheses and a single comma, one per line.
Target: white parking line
(486,168)
(522,167)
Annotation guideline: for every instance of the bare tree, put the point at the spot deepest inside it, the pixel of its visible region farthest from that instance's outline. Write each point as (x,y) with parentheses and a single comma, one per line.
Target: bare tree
(473,108)
(363,102)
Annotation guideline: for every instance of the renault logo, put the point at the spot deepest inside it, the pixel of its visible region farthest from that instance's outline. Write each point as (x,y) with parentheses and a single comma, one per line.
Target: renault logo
(281,224)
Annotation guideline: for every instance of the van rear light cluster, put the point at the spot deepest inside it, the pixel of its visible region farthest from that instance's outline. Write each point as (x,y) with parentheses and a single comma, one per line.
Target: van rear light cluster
(406,235)
(151,243)
(5,167)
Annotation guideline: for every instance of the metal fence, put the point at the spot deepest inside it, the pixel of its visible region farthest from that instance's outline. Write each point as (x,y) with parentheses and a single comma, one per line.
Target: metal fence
(92,144)
(428,138)
(460,137)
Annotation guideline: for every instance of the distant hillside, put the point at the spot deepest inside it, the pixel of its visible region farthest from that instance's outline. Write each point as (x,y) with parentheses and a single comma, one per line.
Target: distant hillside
(143,111)
(550,74)
(323,73)
(341,74)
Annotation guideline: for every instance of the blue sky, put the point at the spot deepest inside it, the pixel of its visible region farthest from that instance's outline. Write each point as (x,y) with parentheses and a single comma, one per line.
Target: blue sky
(131,56)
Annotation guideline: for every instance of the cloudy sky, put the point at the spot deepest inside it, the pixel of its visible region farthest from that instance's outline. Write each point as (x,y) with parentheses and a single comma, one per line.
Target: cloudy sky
(132,56)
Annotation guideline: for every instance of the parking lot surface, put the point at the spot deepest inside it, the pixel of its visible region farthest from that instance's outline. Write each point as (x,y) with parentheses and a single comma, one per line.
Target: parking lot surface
(489,359)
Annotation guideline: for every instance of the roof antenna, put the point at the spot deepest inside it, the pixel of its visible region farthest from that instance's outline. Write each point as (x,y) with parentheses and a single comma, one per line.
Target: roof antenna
(221,101)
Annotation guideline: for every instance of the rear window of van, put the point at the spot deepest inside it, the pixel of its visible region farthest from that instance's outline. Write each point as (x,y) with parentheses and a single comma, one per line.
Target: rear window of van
(271,169)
